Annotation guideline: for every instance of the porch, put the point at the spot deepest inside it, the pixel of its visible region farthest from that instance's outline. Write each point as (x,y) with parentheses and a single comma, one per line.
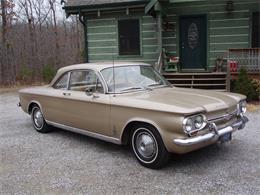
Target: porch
(219,78)
(198,35)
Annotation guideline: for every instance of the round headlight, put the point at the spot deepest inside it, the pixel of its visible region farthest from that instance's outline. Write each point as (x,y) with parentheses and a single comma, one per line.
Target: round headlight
(243,107)
(194,123)
(198,121)
(188,125)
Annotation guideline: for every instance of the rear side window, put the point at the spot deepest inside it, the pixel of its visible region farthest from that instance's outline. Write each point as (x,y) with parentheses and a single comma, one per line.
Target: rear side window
(62,82)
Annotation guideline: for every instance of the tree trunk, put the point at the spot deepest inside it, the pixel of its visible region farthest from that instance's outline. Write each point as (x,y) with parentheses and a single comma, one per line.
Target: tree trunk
(4,26)
(4,21)
(57,46)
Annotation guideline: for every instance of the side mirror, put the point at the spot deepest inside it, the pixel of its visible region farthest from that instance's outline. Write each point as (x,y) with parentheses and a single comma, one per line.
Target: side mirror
(89,91)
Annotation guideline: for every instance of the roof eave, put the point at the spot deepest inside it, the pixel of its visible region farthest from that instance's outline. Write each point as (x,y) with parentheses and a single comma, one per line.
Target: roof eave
(77,9)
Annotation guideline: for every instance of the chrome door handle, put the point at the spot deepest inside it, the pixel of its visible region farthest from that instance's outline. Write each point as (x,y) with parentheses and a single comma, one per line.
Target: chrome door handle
(95,96)
(66,94)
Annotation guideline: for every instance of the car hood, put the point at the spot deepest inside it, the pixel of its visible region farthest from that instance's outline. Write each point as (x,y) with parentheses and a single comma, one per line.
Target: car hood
(179,100)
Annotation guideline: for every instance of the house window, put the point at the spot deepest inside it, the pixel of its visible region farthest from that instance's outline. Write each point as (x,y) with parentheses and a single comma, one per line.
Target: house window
(129,37)
(256,30)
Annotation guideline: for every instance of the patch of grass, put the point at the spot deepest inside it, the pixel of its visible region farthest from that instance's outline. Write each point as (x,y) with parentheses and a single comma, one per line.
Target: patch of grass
(48,73)
(25,74)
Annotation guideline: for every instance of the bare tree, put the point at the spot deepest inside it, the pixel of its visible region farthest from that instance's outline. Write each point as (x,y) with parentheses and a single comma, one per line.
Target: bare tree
(7,69)
(38,37)
(52,4)
(4,20)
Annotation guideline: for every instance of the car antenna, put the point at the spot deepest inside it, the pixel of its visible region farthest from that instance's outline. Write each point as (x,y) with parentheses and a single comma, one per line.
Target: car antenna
(114,83)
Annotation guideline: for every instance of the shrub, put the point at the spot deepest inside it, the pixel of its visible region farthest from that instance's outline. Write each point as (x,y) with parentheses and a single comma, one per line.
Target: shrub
(244,85)
(48,73)
(25,74)
(256,86)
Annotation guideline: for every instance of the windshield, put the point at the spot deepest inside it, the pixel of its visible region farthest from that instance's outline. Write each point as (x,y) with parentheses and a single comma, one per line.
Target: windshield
(129,78)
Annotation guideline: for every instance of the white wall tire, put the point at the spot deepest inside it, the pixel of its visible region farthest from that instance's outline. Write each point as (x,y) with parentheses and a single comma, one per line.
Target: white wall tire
(38,120)
(148,147)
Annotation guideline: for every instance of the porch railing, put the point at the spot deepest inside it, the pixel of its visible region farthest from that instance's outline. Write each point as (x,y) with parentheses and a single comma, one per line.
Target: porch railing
(248,58)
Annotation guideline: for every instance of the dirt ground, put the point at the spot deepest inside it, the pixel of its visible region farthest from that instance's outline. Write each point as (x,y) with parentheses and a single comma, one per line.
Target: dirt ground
(67,163)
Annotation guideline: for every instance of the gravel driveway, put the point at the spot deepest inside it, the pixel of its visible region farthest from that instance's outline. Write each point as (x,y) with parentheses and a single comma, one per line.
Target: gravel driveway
(66,163)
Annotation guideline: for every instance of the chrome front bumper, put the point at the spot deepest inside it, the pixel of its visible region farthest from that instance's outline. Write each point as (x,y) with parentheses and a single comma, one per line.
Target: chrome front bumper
(214,134)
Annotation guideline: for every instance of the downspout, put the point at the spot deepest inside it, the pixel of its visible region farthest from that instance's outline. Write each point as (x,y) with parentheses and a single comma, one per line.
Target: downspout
(83,21)
(159,30)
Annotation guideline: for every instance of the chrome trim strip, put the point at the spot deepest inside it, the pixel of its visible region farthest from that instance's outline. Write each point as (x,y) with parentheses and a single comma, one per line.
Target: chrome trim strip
(213,136)
(223,116)
(68,81)
(85,132)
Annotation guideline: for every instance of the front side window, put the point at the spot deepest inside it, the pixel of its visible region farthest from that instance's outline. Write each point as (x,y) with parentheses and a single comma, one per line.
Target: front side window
(129,78)
(62,82)
(83,80)
(129,37)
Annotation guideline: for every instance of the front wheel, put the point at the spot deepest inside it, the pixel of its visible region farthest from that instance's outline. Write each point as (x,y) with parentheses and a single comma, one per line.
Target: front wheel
(148,147)
(38,120)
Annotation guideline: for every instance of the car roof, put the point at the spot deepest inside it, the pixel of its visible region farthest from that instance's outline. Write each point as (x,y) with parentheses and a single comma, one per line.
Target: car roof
(97,66)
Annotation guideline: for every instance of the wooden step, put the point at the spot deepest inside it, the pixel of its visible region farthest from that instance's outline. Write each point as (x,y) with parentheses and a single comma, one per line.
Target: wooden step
(200,84)
(212,81)
(192,74)
(196,79)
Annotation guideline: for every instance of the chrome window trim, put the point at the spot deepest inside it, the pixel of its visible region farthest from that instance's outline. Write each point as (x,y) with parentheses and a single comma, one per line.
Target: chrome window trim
(69,76)
(100,76)
(68,81)
(85,132)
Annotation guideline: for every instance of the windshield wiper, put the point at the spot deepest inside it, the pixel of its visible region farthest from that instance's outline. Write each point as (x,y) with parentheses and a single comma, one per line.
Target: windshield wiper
(154,84)
(131,88)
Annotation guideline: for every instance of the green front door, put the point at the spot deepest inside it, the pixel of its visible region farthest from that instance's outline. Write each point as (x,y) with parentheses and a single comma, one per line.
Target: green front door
(193,43)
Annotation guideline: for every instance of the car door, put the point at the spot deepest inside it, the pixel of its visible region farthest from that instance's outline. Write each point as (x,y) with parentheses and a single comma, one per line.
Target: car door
(54,102)
(83,105)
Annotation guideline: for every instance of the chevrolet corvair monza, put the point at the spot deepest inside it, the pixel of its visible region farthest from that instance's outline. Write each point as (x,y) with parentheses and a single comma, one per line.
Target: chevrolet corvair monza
(131,103)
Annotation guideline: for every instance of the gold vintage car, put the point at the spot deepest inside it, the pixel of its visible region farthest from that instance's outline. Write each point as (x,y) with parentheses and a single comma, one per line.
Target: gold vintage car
(131,103)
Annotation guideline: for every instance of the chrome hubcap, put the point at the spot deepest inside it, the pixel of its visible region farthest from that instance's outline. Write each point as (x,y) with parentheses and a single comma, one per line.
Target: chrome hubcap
(38,118)
(145,145)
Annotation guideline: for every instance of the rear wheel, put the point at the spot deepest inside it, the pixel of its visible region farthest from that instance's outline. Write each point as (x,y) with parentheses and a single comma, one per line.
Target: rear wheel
(148,147)
(38,120)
